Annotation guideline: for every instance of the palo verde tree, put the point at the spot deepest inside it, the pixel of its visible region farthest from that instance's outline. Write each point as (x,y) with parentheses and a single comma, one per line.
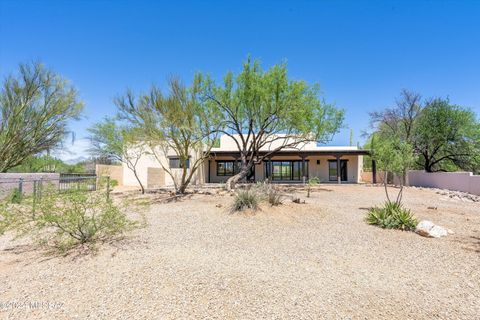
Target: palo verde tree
(443,136)
(118,142)
(175,124)
(35,108)
(265,110)
(393,155)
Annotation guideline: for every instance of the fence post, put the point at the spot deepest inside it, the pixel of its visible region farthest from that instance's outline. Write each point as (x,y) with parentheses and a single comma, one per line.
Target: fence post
(108,187)
(34,196)
(39,187)
(20,188)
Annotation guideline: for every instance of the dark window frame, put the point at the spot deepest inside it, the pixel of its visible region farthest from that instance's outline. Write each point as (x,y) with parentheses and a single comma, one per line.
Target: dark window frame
(291,176)
(176,163)
(342,177)
(224,173)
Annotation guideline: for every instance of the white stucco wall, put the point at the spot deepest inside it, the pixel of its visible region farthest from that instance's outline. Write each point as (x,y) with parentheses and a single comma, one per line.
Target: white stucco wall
(459,181)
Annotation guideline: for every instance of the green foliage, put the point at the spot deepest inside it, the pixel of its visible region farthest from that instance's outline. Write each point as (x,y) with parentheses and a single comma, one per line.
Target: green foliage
(393,155)
(35,108)
(246,199)
(392,216)
(118,142)
(257,107)
(178,122)
(47,163)
(66,220)
(443,136)
(447,137)
(16,196)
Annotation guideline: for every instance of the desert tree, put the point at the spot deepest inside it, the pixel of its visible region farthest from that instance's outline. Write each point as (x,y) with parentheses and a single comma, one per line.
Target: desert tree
(399,121)
(396,156)
(173,124)
(443,136)
(115,141)
(265,110)
(35,108)
(447,137)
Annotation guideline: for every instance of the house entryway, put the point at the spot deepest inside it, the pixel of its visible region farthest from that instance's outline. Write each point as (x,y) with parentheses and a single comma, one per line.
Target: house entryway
(332,170)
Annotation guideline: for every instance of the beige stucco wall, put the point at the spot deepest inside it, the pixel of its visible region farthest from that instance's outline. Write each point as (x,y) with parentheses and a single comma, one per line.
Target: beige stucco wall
(114,172)
(459,181)
(148,160)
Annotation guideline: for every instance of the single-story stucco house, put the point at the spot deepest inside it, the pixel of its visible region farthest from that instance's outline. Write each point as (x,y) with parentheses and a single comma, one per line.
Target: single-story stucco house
(329,164)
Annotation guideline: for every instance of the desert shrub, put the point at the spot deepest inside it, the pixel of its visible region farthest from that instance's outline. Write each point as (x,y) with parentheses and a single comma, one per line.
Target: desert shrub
(392,216)
(274,196)
(113,183)
(312,182)
(246,199)
(68,219)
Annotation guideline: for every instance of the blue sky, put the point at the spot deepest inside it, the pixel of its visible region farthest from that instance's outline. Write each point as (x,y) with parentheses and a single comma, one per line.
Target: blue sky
(362,53)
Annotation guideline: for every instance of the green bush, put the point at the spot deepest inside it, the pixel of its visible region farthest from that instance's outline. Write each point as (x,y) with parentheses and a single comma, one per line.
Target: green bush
(66,220)
(312,182)
(245,199)
(392,216)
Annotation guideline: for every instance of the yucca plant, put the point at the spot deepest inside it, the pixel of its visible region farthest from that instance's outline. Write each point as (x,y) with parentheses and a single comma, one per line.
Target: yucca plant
(392,216)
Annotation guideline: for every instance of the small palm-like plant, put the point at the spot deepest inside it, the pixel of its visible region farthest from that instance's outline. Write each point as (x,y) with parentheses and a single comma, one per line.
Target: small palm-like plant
(312,182)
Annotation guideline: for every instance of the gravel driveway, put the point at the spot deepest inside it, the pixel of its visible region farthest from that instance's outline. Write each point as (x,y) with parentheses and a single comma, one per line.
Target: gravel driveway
(317,260)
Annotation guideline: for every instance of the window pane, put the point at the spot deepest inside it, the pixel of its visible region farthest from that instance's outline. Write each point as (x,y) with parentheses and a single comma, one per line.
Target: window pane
(228,168)
(220,169)
(174,163)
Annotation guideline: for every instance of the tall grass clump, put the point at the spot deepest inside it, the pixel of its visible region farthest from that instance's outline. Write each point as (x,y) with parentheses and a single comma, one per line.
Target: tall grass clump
(246,199)
(392,216)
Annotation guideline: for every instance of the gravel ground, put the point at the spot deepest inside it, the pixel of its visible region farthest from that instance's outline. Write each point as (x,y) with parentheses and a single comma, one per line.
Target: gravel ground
(317,260)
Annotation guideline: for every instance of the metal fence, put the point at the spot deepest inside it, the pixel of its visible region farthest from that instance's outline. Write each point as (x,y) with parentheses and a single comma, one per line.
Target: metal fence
(20,187)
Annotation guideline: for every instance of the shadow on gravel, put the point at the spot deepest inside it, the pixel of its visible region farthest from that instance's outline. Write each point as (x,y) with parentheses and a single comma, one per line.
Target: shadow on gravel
(471,243)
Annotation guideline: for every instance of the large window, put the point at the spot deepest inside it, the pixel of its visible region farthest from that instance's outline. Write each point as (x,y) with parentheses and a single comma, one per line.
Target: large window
(175,163)
(285,170)
(227,167)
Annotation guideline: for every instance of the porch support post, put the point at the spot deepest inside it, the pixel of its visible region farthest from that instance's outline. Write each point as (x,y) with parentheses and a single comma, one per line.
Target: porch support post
(270,173)
(374,171)
(303,167)
(208,171)
(339,177)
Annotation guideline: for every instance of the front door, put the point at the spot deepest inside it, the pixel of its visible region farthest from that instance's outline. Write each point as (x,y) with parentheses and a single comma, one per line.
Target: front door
(332,170)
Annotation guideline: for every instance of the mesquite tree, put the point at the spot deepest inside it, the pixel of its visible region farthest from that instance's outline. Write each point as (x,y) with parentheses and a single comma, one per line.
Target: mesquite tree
(114,141)
(35,108)
(265,110)
(443,136)
(175,124)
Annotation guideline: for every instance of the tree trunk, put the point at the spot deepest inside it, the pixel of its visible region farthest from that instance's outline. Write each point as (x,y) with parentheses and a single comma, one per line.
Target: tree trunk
(139,182)
(232,181)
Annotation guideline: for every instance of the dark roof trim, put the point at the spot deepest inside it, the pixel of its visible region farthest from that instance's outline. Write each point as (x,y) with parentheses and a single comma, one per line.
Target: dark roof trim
(299,153)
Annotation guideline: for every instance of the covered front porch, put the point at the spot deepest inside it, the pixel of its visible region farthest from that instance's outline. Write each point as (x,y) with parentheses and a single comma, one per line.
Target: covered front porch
(290,167)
